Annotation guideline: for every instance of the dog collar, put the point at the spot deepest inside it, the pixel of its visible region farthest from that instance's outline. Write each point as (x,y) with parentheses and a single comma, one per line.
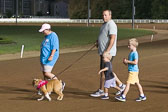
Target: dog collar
(42,83)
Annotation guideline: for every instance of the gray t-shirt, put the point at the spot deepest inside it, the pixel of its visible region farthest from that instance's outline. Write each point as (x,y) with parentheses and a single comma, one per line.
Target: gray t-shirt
(106,30)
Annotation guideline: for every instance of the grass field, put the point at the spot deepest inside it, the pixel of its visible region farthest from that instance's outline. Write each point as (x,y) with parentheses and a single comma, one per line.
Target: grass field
(68,36)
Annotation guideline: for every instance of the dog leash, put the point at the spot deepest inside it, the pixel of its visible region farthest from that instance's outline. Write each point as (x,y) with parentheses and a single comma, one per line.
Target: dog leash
(72,64)
(76,60)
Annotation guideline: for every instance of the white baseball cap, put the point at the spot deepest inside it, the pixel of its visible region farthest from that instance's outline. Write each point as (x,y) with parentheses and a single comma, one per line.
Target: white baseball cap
(45,26)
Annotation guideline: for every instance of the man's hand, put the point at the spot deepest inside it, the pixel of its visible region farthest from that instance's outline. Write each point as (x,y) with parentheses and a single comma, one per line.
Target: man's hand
(106,52)
(96,43)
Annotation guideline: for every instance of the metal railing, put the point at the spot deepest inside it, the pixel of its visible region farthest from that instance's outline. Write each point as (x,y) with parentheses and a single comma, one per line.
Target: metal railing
(55,20)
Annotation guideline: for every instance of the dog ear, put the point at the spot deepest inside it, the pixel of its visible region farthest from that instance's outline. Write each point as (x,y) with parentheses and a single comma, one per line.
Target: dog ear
(35,81)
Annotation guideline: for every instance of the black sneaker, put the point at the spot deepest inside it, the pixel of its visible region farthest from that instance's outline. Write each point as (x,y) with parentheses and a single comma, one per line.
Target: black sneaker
(105,97)
(141,98)
(120,98)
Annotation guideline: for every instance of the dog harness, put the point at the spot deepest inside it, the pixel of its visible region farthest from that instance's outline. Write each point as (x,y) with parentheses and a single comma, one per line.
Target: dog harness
(42,83)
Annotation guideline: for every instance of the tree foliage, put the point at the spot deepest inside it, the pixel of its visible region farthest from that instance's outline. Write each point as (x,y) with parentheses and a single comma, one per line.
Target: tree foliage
(78,9)
(160,9)
(121,9)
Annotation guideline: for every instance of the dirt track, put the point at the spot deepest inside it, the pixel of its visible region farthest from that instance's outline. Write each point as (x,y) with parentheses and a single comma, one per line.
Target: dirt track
(17,93)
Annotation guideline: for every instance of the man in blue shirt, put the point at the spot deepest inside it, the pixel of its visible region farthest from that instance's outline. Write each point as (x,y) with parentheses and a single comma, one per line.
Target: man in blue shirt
(49,51)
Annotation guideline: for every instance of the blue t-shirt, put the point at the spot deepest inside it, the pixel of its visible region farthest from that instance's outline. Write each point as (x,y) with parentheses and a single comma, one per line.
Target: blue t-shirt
(49,43)
(131,67)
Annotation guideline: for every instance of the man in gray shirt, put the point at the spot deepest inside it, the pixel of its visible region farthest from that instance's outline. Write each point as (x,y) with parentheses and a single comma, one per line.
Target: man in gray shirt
(107,43)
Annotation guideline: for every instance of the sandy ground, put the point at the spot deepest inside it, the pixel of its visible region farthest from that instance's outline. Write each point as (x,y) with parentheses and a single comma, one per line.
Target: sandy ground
(18,95)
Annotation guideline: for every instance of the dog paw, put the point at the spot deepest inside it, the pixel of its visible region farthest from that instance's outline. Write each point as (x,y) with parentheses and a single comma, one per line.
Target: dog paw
(39,99)
(59,98)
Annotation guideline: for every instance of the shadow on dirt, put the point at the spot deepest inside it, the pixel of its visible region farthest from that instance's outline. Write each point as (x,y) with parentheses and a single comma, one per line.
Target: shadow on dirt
(156,87)
(13,90)
(30,94)
(18,92)
(77,93)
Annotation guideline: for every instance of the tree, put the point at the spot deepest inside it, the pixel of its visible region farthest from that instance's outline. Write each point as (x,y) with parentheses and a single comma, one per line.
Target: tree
(159,9)
(143,9)
(78,9)
(121,9)
(97,6)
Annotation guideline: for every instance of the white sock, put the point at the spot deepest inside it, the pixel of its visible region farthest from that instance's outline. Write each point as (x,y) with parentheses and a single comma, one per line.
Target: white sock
(142,95)
(101,90)
(105,94)
(123,96)
(120,85)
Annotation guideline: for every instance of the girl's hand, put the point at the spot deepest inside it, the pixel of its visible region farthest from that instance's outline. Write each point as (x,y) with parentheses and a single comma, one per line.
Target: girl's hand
(50,58)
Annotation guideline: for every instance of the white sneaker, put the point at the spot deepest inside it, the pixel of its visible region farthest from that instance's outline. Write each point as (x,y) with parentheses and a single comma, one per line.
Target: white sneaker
(118,92)
(122,87)
(97,93)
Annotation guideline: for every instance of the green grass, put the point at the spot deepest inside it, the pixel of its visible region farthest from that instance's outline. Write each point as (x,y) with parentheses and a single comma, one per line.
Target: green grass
(68,36)
(6,41)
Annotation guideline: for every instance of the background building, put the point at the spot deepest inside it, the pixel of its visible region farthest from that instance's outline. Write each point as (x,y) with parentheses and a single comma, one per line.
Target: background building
(60,9)
(34,8)
(7,7)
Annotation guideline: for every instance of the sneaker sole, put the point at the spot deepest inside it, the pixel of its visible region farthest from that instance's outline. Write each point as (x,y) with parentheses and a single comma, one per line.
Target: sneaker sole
(105,98)
(141,100)
(120,99)
(95,95)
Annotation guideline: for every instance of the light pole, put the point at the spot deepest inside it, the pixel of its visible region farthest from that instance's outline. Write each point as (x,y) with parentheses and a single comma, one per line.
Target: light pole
(89,12)
(16,11)
(133,13)
(4,7)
